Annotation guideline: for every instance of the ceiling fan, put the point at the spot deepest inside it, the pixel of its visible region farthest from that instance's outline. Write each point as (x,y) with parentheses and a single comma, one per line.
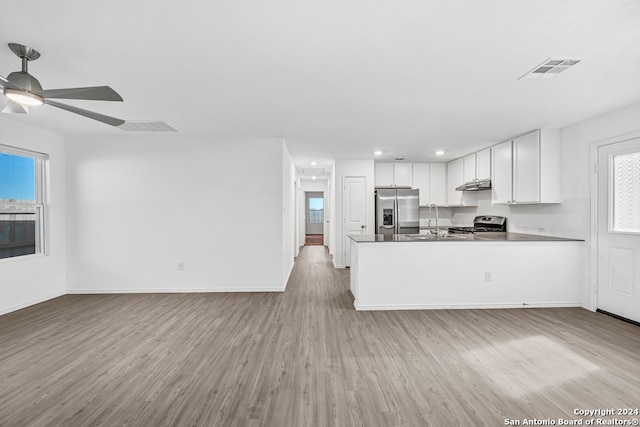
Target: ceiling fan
(25,91)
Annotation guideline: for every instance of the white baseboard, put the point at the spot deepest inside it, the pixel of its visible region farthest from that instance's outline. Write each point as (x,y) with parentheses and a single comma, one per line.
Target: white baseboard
(170,291)
(359,307)
(30,303)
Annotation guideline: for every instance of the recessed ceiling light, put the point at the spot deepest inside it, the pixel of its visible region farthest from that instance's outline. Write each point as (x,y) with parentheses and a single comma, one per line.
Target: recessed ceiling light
(313,178)
(377,153)
(550,68)
(439,153)
(314,163)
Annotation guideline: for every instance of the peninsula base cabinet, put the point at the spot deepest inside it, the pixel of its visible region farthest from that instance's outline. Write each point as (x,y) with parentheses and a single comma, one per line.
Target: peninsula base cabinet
(526,169)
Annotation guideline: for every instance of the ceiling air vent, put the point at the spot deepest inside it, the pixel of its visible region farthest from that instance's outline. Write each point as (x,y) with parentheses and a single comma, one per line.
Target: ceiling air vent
(551,68)
(141,126)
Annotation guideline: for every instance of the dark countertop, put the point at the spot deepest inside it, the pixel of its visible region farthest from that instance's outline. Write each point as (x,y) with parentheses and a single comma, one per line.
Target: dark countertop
(478,237)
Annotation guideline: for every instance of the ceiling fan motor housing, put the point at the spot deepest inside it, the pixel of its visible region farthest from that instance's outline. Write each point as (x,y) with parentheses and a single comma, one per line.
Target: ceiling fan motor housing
(25,81)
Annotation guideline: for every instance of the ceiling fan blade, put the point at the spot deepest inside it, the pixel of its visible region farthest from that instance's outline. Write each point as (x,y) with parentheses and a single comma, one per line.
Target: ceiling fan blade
(6,83)
(15,108)
(90,114)
(95,93)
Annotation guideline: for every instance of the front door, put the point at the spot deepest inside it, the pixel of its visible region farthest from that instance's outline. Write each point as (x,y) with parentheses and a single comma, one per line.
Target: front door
(618,227)
(354,205)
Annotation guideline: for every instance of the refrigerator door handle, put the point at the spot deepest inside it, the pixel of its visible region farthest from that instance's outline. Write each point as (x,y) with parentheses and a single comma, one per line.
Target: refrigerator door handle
(396,218)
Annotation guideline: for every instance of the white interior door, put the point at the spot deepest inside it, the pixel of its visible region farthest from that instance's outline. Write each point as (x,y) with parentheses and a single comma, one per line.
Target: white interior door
(354,208)
(619,229)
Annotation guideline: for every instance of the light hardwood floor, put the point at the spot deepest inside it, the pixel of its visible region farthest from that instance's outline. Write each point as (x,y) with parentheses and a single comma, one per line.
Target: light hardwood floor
(305,357)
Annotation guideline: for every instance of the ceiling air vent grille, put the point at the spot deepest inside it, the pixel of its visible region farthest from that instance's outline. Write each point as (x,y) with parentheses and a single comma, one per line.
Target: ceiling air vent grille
(551,68)
(141,126)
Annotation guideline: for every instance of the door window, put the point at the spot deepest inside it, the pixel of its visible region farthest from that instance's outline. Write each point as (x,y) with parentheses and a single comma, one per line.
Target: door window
(625,194)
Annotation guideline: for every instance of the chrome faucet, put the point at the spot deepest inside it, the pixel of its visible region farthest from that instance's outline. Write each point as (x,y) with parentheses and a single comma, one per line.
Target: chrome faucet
(433,205)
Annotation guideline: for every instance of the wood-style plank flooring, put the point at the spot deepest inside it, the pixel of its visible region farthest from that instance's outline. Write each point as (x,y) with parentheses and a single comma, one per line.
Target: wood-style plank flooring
(314,239)
(305,357)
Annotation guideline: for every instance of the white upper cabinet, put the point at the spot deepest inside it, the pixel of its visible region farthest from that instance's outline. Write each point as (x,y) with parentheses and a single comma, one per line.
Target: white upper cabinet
(526,169)
(502,178)
(455,177)
(438,184)
(384,175)
(421,181)
(477,166)
(394,175)
(483,164)
(468,168)
(431,180)
(402,174)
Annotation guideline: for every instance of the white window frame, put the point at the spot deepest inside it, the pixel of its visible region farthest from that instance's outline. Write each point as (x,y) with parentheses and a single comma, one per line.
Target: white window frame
(41,165)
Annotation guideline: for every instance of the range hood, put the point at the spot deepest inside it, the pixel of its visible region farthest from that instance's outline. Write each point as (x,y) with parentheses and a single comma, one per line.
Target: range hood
(475,185)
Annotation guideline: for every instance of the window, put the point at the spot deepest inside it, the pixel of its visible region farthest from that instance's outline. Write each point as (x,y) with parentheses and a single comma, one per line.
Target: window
(21,202)
(316,210)
(626,193)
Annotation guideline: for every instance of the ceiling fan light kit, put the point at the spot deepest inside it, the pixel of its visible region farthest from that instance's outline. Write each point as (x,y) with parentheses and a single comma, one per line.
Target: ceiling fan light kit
(23,97)
(24,91)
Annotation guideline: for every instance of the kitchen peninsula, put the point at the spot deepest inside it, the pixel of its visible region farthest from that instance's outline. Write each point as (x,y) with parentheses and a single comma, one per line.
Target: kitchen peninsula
(487,270)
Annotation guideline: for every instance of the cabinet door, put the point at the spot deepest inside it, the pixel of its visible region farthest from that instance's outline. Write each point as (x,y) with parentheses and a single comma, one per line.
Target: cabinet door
(502,176)
(526,168)
(483,164)
(384,175)
(421,181)
(469,167)
(455,171)
(438,184)
(402,175)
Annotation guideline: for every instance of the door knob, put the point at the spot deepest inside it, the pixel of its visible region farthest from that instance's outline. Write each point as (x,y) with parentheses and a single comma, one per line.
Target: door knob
(362,226)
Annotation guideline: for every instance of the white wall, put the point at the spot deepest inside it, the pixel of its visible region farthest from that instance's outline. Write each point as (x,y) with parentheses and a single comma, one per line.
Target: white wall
(28,280)
(139,205)
(289,187)
(577,166)
(348,168)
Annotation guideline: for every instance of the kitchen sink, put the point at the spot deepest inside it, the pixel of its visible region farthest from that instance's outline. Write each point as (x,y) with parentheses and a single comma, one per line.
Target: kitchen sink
(419,237)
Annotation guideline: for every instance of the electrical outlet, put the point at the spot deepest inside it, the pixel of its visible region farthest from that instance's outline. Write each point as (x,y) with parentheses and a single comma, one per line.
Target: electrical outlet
(488,276)
(181,266)
(542,229)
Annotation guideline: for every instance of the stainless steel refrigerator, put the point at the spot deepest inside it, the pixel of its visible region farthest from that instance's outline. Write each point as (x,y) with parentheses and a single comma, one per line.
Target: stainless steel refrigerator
(397,211)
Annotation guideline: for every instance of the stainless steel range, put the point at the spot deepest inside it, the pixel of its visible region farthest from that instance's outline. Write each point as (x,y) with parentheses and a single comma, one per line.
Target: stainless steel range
(487,223)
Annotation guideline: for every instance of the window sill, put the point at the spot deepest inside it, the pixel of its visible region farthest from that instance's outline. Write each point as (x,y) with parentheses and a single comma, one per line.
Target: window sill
(21,258)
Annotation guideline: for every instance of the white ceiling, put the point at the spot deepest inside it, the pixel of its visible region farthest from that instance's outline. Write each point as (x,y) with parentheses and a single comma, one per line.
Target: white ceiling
(336,79)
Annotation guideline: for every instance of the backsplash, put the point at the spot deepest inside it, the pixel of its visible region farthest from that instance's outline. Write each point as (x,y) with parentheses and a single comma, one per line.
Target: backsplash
(541,219)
